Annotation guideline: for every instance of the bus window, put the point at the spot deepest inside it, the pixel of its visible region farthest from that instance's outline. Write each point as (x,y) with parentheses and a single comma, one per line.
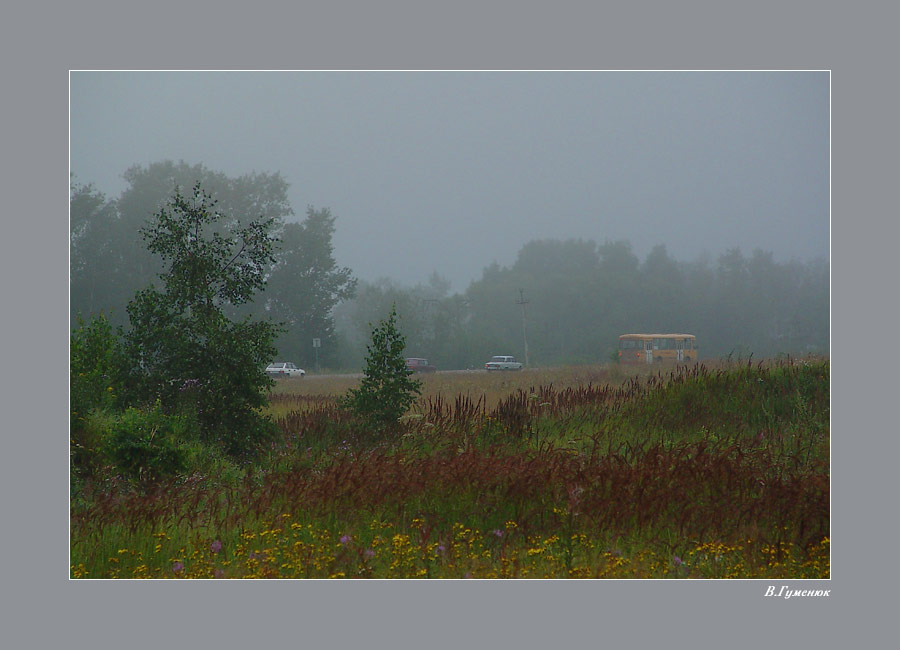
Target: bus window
(650,348)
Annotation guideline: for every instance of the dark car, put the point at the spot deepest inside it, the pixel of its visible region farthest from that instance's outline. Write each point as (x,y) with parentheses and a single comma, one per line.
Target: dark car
(419,365)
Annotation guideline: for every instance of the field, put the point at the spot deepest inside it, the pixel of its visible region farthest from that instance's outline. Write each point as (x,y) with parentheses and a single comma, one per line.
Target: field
(705,471)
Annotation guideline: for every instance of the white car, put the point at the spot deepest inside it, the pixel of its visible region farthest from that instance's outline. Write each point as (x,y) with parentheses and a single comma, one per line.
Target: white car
(502,363)
(284,369)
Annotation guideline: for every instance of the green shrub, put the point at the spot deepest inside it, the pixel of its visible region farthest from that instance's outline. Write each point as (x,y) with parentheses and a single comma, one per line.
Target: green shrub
(146,444)
(95,370)
(212,464)
(95,391)
(86,443)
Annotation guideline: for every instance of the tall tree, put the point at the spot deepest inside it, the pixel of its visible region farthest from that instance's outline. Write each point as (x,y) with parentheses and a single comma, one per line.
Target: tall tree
(94,258)
(663,307)
(303,287)
(109,260)
(185,352)
(734,331)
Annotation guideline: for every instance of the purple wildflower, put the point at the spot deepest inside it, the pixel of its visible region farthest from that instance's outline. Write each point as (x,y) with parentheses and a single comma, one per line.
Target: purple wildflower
(345,539)
(190,383)
(216,546)
(369,553)
(498,532)
(178,567)
(677,561)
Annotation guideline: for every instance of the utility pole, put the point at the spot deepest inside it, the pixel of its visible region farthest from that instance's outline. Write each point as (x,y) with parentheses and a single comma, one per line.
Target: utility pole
(317,343)
(523,302)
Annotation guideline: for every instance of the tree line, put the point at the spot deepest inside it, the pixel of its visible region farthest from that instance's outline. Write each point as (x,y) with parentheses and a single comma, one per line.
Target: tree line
(569,299)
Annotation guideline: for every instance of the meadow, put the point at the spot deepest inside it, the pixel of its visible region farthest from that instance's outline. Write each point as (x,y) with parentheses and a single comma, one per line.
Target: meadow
(713,470)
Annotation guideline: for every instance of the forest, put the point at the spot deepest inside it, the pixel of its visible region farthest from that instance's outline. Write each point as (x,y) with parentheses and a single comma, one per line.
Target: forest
(569,299)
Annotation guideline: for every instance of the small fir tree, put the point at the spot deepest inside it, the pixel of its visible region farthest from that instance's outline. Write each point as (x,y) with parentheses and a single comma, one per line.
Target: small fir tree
(387,389)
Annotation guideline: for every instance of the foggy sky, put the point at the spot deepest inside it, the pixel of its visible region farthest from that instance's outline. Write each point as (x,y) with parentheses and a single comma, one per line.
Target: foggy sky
(450,171)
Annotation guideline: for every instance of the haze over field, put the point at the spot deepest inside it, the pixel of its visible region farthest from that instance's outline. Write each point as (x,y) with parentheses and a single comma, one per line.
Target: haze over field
(449,171)
(347,222)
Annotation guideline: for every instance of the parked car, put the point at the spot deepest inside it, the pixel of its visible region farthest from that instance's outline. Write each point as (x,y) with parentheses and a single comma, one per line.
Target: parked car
(417,364)
(284,369)
(502,363)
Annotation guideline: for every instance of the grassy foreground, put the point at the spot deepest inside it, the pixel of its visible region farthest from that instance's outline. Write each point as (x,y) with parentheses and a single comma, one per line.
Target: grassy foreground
(694,472)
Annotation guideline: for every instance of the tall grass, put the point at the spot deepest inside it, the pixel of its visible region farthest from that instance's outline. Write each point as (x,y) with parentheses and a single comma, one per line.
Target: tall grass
(694,471)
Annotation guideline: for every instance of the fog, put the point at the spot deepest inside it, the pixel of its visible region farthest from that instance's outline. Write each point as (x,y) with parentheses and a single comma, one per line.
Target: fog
(448,172)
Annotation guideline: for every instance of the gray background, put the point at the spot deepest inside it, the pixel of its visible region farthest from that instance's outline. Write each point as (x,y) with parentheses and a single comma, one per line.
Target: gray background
(450,171)
(39,46)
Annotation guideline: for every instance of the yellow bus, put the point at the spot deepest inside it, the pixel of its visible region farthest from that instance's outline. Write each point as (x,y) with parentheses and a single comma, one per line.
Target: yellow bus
(654,348)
